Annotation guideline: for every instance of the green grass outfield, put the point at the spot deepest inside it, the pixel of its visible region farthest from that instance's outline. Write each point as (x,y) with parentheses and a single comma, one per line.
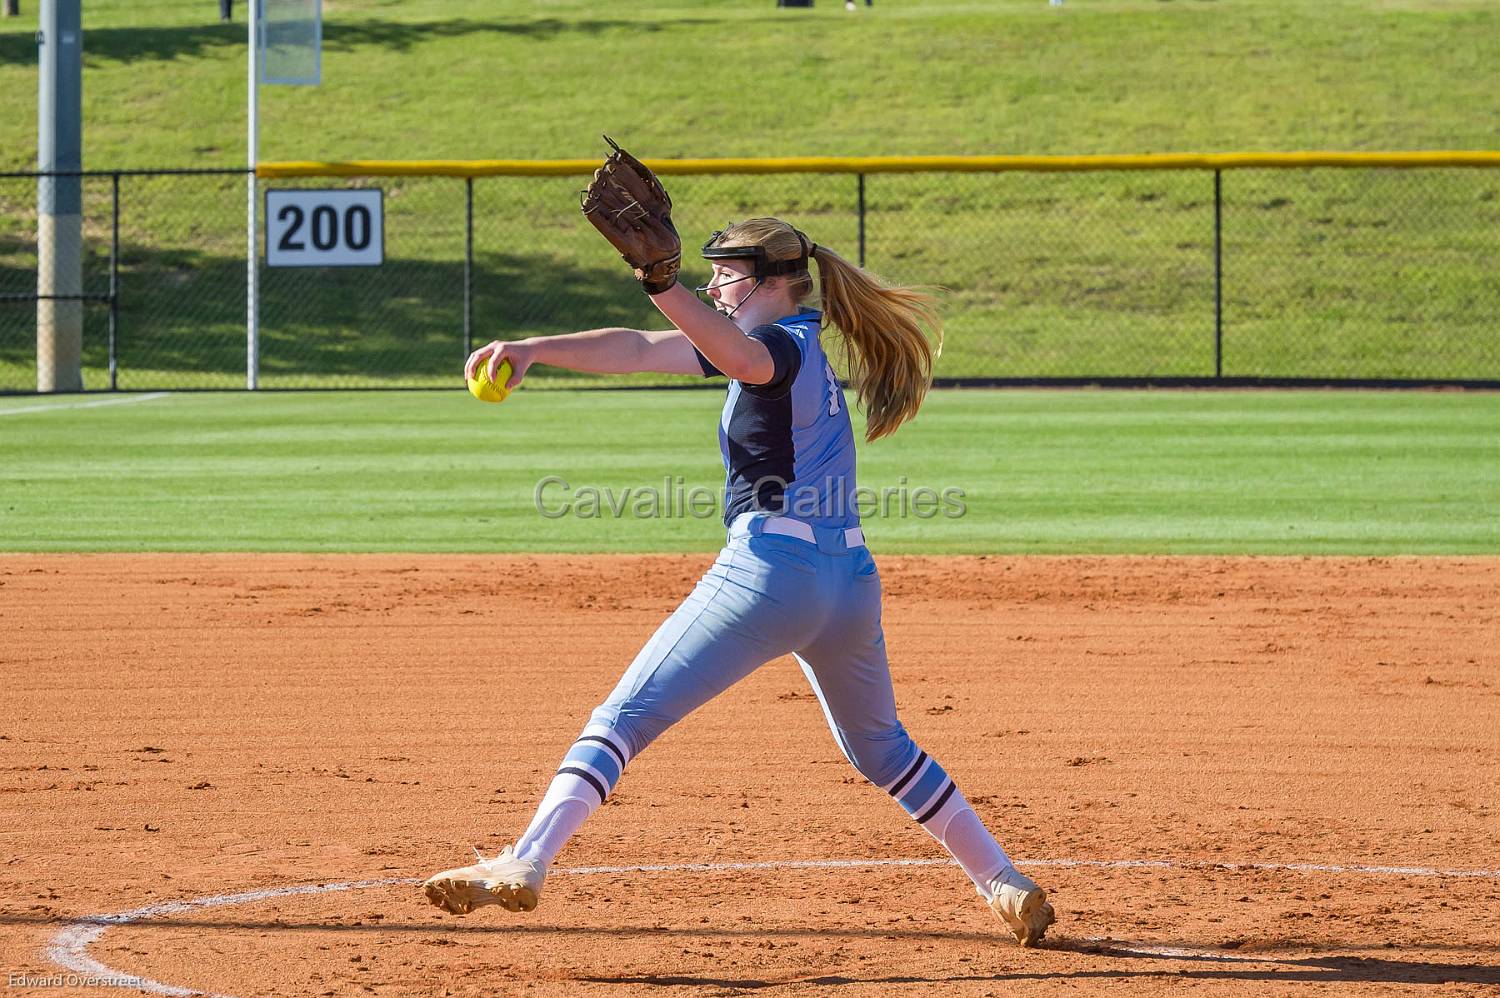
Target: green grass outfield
(1041,471)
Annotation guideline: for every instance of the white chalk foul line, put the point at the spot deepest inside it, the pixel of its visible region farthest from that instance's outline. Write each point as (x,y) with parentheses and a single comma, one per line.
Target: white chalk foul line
(53,406)
(69,947)
(1168,864)
(1098,864)
(1108,945)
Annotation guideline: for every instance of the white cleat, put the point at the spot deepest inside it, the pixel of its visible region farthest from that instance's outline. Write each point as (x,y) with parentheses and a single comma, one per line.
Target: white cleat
(1022,906)
(513,884)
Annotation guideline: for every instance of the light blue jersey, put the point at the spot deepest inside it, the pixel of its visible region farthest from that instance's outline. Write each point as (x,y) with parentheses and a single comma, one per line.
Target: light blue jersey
(788,445)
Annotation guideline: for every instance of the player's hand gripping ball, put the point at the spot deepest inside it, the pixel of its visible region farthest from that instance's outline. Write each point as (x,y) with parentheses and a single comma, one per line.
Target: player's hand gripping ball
(485,390)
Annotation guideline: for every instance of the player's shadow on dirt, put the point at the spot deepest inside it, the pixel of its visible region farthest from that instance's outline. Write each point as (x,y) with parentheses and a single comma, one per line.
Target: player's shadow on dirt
(1277,970)
(1207,966)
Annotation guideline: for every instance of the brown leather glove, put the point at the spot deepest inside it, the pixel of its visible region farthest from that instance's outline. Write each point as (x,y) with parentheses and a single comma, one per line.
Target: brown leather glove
(630,208)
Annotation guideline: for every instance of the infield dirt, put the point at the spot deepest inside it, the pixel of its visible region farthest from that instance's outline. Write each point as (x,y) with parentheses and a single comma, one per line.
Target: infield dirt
(178,726)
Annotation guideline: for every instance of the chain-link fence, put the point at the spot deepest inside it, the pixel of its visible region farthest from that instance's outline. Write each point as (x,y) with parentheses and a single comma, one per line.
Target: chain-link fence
(163,282)
(1348,274)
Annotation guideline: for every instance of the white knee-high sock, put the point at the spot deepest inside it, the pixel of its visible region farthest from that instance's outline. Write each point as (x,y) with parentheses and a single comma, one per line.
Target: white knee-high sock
(976,850)
(588,773)
(933,799)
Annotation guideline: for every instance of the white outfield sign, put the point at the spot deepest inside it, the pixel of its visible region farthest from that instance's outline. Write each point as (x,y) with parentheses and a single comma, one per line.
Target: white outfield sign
(335,228)
(291,41)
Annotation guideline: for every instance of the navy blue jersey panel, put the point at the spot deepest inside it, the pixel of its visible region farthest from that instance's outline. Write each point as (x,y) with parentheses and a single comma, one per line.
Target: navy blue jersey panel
(762,459)
(785,356)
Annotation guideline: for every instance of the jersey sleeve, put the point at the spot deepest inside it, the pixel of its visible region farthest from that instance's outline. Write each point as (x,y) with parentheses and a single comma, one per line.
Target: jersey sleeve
(786,358)
(709,371)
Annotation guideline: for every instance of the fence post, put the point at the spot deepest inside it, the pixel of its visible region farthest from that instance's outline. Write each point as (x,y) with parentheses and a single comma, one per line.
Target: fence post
(1218,274)
(468,266)
(861,219)
(114,277)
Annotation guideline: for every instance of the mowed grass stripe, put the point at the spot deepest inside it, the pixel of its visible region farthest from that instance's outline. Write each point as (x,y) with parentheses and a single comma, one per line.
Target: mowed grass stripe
(1040,471)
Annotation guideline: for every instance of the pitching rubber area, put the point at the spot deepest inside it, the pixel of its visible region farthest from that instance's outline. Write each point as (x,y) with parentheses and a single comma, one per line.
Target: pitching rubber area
(229,774)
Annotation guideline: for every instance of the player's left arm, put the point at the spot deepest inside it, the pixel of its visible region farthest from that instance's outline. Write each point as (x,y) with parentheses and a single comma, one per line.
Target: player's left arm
(717,337)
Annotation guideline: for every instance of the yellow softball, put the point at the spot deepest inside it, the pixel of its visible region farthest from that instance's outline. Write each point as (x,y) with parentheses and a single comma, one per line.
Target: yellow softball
(485,390)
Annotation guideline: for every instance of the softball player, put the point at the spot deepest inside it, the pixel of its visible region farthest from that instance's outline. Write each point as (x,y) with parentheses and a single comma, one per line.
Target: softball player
(794,575)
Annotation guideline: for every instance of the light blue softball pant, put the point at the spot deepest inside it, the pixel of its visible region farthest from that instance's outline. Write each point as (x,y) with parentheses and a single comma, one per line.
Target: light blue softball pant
(768,595)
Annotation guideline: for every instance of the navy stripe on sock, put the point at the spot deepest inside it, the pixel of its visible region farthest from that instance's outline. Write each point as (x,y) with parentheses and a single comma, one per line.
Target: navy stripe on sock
(593,781)
(607,744)
(901,783)
(934,809)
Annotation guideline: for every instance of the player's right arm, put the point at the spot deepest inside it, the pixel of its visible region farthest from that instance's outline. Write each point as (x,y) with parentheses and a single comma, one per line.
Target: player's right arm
(614,350)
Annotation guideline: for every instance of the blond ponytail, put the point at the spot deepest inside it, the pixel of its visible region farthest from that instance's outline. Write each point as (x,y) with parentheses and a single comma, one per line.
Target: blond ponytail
(888,353)
(885,348)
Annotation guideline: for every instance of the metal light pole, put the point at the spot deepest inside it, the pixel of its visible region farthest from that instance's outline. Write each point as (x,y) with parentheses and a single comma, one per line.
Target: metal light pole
(59,200)
(252,249)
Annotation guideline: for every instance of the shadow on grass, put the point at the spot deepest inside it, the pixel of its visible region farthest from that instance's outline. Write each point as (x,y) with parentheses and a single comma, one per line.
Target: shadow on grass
(163,44)
(183,311)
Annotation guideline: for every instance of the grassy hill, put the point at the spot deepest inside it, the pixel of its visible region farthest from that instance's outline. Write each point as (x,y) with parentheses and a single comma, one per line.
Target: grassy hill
(1360,274)
(165,82)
